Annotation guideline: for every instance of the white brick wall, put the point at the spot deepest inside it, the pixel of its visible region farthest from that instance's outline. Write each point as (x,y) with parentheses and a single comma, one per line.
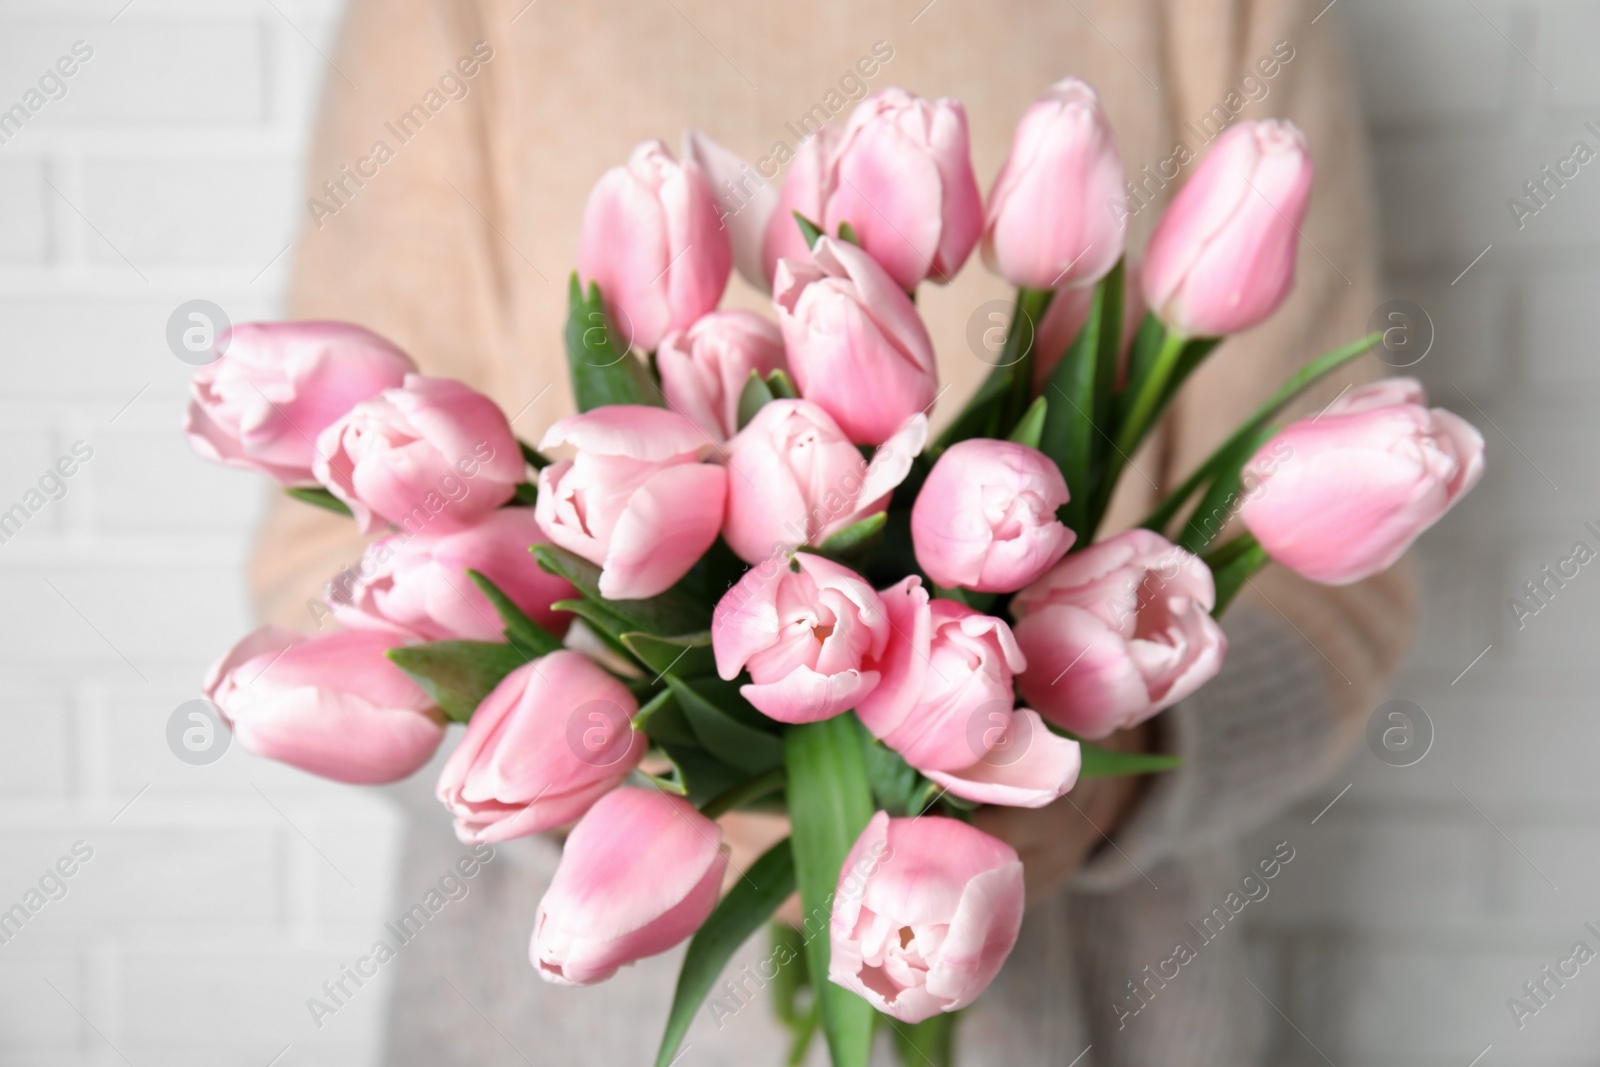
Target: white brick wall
(224,895)
(1412,917)
(207,917)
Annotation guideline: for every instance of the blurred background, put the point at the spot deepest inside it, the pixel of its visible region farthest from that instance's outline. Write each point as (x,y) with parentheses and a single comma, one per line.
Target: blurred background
(209,900)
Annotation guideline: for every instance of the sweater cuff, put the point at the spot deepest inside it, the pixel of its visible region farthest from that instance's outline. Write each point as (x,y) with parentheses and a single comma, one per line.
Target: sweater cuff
(1252,740)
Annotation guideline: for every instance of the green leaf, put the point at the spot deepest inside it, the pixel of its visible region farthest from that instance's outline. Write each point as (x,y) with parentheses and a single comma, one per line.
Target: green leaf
(670,614)
(1232,565)
(523,495)
(930,1043)
(1070,436)
(753,397)
(896,785)
(855,540)
(782,386)
(457,674)
(792,979)
(750,791)
(602,623)
(1307,376)
(1019,353)
(718,728)
(701,776)
(848,233)
(809,230)
(319,497)
(532,456)
(688,656)
(1147,342)
(658,718)
(1212,514)
(830,803)
(748,905)
(981,416)
(1106,763)
(520,630)
(1031,425)
(603,371)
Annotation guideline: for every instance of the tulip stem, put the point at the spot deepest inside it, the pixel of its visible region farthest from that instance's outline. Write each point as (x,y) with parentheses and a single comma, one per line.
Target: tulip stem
(1232,564)
(1018,354)
(1308,376)
(1151,390)
(761,785)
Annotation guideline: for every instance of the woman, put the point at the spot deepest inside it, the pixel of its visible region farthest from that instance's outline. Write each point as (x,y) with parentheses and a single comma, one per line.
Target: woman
(454,239)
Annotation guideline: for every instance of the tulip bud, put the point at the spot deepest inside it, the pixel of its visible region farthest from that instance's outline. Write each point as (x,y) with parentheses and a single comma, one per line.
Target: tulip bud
(802,191)
(1116,632)
(986,516)
(1341,496)
(808,637)
(638,874)
(552,738)
(334,706)
(432,454)
(794,478)
(926,912)
(653,239)
(943,701)
(705,368)
(635,499)
(745,199)
(856,346)
(262,404)
(901,176)
(418,586)
(1222,256)
(1054,211)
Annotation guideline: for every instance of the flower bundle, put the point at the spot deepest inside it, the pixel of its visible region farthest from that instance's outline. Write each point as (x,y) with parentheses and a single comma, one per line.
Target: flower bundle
(758,581)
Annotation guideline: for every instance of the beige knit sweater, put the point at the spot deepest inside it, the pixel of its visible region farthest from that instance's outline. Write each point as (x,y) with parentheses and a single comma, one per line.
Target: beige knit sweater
(443,212)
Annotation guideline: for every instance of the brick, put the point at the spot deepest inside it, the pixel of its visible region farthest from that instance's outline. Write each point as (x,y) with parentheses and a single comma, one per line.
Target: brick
(36,761)
(152,70)
(28,453)
(146,479)
(26,235)
(1432,61)
(190,209)
(1565,31)
(1557,342)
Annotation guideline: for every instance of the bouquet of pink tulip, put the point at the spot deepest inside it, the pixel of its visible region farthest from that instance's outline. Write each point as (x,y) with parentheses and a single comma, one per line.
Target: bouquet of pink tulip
(756,583)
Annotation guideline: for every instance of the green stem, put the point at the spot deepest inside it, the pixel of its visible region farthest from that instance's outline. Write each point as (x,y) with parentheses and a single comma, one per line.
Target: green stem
(1232,565)
(753,789)
(1132,431)
(1019,353)
(1309,374)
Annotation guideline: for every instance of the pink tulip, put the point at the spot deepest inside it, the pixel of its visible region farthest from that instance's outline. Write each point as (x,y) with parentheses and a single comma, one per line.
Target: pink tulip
(926,912)
(1064,319)
(280,384)
(856,346)
(901,176)
(639,874)
(552,738)
(1341,496)
(944,702)
(795,479)
(1222,256)
(1055,209)
(333,706)
(636,499)
(654,240)
(418,586)
(986,517)
(1117,632)
(745,200)
(705,368)
(808,637)
(432,454)
(803,190)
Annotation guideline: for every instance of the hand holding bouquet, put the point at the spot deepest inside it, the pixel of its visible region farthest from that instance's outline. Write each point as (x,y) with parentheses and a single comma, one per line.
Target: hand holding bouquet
(758,582)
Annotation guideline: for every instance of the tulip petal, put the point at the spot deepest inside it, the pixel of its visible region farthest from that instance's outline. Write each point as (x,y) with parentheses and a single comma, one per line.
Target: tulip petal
(669,524)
